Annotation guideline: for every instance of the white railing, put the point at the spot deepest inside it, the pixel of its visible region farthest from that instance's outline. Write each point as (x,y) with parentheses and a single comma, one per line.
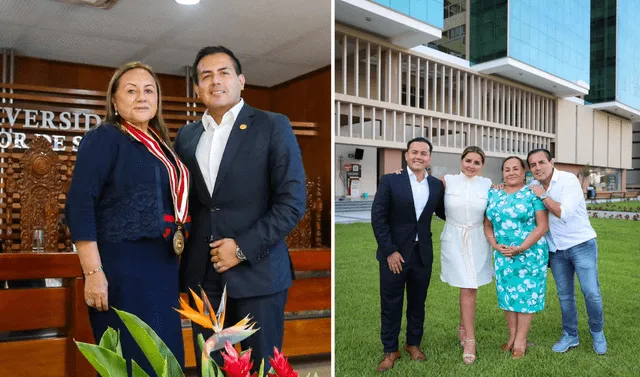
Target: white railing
(386,95)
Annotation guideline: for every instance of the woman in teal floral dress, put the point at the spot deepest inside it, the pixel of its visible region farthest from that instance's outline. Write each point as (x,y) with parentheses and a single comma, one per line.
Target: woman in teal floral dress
(515,226)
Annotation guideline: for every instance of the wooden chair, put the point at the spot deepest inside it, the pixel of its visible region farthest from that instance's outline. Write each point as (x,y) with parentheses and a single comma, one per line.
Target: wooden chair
(36,192)
(61,308)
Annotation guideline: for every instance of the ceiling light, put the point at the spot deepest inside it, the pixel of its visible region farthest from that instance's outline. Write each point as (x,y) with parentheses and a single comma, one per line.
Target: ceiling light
(187,2)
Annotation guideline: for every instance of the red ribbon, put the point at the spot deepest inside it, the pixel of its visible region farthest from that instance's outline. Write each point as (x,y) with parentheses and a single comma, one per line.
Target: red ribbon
(179,183)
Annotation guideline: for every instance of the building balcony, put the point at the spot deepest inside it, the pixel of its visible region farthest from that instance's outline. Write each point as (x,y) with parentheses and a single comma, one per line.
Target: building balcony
(401,29)
(617,108)
(524,73)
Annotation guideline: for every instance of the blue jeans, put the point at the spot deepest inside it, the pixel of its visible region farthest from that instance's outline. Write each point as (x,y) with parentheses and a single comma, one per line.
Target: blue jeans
(582,260)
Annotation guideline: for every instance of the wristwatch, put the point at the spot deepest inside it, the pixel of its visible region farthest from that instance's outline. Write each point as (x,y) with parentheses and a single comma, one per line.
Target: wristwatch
(239,254)
(543,196)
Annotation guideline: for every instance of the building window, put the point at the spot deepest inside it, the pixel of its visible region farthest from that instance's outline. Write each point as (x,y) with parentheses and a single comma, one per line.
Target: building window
(453,7)
(605,179)
(453,42)
(488,30)
(603,52)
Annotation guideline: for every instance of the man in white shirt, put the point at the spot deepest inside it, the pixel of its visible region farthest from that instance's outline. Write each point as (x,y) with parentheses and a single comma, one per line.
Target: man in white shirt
(248,192)
(573,249)
(401,219)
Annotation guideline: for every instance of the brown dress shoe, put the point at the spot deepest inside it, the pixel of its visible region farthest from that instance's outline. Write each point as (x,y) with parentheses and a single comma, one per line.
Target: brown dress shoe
(388,361)
(415,353)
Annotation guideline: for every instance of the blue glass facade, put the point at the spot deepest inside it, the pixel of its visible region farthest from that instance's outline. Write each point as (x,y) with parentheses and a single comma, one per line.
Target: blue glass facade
(552,35)
(427,11)
(628,53)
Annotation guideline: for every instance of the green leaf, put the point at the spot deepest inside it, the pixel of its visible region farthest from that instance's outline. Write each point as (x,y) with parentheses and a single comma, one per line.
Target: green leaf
(165,369)
(200,342)
(209,368)
(111,341)
(261,371)
(137,371)
(216,369)
(106,362)
(152,346)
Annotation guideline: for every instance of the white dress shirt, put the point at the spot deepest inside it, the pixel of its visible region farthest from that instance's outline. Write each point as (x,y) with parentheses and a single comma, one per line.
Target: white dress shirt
(573,226)
(420,191)
(213,142)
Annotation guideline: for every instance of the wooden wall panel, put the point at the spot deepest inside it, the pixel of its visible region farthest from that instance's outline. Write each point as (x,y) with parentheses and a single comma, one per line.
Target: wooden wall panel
(307,337)
(34,71)
(260,98)
(41,72)
(308,98)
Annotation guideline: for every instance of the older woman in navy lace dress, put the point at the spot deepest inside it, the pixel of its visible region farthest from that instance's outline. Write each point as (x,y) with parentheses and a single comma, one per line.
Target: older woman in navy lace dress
(122,214)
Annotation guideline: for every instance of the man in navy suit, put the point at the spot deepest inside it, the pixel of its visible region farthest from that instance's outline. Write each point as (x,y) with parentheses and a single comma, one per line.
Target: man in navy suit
(247,193)
(401,219)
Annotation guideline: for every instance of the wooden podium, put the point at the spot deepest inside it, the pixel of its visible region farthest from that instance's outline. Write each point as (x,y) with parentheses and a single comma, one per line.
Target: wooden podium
(62,308)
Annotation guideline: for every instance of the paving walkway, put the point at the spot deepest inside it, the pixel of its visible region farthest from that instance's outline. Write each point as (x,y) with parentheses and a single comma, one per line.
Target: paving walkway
(353,217)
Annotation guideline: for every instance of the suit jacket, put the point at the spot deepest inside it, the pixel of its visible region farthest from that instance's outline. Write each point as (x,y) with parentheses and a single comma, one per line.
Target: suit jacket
(258,198)
(393,217)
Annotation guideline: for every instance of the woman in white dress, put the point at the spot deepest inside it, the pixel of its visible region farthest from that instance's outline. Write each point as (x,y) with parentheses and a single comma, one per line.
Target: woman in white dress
(465,252)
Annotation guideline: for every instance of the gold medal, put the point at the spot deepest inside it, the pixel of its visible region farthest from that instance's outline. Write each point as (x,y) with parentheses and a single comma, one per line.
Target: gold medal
(178,242)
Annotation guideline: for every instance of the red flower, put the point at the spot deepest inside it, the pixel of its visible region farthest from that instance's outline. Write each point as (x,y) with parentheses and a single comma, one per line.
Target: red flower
(235,365)
(281,366)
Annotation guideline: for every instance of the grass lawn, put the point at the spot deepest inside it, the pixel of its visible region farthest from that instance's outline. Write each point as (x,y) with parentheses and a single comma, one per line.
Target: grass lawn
(358,349)
(630,206)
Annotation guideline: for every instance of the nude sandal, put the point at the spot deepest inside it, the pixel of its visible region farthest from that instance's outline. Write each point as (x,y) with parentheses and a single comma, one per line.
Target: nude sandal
(469,358)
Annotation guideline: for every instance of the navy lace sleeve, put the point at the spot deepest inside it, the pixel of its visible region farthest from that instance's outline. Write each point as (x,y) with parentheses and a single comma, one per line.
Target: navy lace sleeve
(95,160)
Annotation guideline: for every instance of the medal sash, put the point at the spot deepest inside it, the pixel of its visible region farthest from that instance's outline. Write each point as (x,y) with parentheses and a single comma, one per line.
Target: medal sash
(178,178)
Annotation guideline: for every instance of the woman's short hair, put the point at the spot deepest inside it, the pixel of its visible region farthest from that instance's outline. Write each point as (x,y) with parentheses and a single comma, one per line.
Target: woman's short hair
(473,149)
(511,158)
(157,122)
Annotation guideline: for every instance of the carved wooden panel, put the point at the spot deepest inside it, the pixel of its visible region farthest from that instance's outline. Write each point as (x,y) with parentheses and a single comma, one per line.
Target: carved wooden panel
(308,232)
(39,186)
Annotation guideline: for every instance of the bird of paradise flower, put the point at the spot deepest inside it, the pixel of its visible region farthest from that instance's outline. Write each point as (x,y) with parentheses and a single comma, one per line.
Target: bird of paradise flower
(206,317)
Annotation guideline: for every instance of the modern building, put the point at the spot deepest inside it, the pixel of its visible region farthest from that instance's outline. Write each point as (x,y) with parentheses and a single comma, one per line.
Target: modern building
(615,51)
(525,65)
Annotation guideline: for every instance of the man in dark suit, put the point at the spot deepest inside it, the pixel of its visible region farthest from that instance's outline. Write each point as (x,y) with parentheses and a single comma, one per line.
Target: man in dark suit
(401,219)
(247,194)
